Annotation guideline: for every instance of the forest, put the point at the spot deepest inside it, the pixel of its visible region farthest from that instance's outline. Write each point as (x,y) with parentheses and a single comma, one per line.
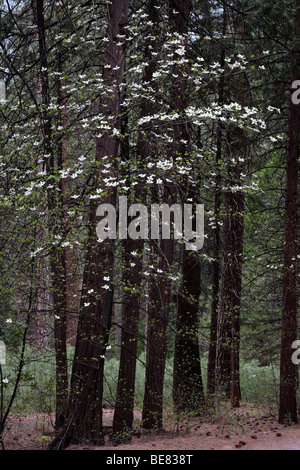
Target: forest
(149,209)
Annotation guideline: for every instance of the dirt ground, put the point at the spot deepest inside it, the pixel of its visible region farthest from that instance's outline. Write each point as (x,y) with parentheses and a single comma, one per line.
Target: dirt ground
(246,428)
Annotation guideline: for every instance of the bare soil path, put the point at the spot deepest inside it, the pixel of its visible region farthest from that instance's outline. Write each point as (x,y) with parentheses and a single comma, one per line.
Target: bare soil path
(246,428)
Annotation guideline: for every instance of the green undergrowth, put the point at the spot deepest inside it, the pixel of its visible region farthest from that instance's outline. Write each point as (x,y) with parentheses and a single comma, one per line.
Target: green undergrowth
(259,385)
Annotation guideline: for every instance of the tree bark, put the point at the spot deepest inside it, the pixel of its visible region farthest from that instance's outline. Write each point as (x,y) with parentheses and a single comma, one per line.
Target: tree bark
(156,349)
(124,407)
(288,370)
(188,395)
(230,296)
(187,379)
(55,208)
(85,403)
(212,351)
(233,240)
(161,294)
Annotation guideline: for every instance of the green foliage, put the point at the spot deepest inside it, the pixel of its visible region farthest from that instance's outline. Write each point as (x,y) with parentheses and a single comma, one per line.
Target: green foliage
(37,385)
(260,384)
(111,377)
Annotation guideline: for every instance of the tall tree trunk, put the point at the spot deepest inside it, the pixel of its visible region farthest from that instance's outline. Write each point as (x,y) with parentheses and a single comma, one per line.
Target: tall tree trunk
(188,395)
(55,208)
(233,239)
(132,274)
(160,291)
(73,277)
(156,345)
(212,351)
(288,370)
(187,379)
(236,307)
(85,403)
(232,264)
(124,407)
(132,267)
(230,296)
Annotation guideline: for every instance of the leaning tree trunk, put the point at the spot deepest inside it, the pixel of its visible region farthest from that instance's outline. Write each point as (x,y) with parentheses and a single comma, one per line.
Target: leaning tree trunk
(288,370)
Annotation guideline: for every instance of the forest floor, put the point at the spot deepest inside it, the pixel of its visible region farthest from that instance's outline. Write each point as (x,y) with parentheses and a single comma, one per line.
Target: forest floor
(245,428)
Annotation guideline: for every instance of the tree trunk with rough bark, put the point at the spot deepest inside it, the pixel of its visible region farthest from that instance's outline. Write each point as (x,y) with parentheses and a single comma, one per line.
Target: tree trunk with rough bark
(188,394)
(187,380)
(156,345)
(233,241)
(288,370)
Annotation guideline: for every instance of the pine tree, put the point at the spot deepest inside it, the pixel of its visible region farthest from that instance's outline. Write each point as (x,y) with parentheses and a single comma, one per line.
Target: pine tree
(288,370)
